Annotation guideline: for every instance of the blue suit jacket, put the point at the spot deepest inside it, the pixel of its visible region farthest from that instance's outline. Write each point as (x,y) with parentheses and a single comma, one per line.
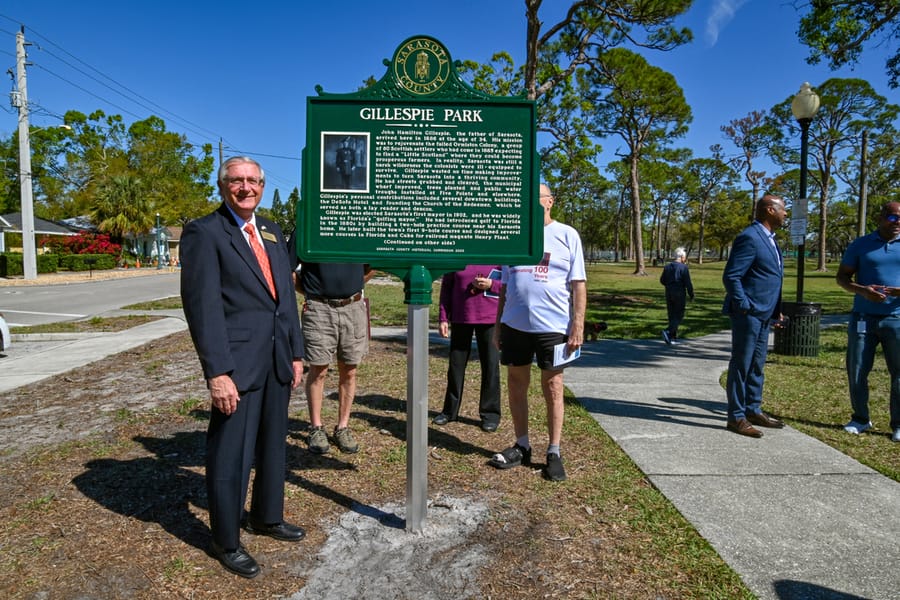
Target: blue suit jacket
(753,275)
(236,325)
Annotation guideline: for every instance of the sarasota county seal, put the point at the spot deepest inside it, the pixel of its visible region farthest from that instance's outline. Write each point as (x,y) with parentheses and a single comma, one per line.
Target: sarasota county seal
(422,65)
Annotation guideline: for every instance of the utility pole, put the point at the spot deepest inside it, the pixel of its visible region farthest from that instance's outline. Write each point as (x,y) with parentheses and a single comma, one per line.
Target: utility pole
(20,100)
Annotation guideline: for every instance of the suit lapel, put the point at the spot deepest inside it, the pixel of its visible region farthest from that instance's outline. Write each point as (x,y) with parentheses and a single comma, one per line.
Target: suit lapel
(770,243)
(242,248)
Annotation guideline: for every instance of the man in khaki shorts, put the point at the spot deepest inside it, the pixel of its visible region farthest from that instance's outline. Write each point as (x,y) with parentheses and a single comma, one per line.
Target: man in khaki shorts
(335,323)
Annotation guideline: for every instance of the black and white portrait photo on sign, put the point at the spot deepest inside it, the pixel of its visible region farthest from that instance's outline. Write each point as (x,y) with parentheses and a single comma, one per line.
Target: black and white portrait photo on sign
(345,161)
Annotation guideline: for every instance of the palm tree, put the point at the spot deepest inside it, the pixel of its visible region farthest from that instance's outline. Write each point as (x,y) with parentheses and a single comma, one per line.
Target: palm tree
(122,208)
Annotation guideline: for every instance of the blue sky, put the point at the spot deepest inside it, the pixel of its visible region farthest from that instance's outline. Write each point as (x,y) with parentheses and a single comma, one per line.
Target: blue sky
(242,72)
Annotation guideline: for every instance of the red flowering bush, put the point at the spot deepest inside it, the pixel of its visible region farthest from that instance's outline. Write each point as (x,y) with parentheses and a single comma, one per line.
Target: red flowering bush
(84,243)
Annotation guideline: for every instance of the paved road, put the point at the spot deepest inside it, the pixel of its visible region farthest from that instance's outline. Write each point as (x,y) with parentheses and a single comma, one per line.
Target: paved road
(40,304)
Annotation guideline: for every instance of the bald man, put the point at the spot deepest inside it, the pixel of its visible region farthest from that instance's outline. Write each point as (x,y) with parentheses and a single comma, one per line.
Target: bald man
(752,279)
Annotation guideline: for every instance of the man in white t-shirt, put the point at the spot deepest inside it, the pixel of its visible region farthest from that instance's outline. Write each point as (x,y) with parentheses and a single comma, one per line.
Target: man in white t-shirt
(541,306)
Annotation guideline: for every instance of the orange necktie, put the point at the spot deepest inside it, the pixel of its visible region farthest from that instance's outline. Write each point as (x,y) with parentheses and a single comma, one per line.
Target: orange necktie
(261,257)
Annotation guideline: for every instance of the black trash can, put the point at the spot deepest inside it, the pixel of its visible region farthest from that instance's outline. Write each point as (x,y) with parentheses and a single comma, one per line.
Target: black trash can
(800,337)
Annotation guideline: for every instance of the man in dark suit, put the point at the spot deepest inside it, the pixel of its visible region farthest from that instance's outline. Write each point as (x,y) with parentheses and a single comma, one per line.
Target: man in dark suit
(752,279)
(238,298)
(345,163)
(677,278)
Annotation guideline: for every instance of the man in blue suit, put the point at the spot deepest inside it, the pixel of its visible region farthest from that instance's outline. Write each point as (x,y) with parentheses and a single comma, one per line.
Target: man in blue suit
(238,298)
(752,279)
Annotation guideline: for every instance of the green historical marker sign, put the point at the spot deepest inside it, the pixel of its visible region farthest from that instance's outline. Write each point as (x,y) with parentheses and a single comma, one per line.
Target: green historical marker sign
(419,174)
(420,169)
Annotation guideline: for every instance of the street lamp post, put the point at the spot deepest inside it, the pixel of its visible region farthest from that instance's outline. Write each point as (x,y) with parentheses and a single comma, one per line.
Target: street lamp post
(804,106)
(158,244)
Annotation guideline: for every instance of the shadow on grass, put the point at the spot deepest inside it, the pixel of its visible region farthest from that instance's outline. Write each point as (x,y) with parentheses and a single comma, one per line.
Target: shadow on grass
(158,489)
(396,426)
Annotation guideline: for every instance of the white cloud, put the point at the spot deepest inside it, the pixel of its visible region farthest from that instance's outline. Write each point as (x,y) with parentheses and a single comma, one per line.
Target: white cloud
(720,15)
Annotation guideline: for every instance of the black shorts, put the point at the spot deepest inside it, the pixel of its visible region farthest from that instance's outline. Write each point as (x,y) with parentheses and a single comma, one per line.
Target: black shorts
(518,348)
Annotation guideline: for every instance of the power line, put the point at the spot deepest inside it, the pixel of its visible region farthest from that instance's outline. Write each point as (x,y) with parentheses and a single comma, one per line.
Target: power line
(251,153)
(88,92)
(134,97)
(150,106)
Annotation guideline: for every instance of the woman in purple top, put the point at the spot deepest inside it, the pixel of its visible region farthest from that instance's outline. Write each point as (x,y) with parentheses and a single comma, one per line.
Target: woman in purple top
(469,301)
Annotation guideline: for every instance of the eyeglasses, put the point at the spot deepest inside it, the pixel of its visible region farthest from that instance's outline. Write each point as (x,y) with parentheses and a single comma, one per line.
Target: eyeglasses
(892,218)
(237,182)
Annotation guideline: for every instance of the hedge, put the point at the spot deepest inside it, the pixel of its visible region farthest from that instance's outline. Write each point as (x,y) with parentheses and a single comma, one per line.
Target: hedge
(11,263)
(83,262)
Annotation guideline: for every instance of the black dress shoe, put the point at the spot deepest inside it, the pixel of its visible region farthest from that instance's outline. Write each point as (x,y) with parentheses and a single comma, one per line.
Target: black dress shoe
(489,426)
(441,419)
(743,427)
(237,561)
(280,531)
(763,420)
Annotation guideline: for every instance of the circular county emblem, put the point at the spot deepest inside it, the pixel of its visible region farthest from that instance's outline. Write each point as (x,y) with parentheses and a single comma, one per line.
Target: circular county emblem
(421,65)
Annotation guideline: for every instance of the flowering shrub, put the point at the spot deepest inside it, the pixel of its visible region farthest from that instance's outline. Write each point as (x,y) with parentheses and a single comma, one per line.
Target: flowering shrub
(84,243)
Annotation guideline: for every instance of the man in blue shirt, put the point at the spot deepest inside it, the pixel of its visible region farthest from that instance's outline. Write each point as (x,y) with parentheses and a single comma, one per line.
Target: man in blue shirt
(870,269)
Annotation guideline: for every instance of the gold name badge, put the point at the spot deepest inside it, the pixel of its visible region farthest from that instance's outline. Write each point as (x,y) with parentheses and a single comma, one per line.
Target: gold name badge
(269,236)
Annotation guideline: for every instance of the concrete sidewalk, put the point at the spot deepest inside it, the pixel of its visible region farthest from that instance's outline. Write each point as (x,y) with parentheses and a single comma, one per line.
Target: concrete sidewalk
(33,357)
(794,517)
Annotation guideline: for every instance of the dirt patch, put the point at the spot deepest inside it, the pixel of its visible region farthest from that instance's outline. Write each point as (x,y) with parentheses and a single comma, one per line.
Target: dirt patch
(95,399)
(103,496)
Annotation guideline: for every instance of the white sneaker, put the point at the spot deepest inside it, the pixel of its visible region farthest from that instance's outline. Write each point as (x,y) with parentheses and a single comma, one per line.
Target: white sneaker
(896,436)
(857,428)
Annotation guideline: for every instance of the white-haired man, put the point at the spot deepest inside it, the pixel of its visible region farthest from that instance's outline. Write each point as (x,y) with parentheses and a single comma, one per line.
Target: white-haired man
(677,279)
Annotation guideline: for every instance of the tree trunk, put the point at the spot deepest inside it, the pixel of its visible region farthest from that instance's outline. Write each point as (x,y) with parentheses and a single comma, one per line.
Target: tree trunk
(700,251)
(639,268)
(823,218)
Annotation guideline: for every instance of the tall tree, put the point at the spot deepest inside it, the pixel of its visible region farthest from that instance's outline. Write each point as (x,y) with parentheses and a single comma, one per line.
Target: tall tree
(122,208)
(662,176)
(554,52)
(176,174)
(589,28)
(645,107)
(283,213)
(848,107)
(73,165)
(882,172)
(498,77)
(94,153)
(748,135)
(709,178)
(9,182)
(838,29)
(726,219)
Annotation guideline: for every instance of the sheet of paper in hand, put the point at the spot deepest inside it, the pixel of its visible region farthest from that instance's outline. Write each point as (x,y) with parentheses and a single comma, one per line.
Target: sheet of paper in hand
(562,356)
